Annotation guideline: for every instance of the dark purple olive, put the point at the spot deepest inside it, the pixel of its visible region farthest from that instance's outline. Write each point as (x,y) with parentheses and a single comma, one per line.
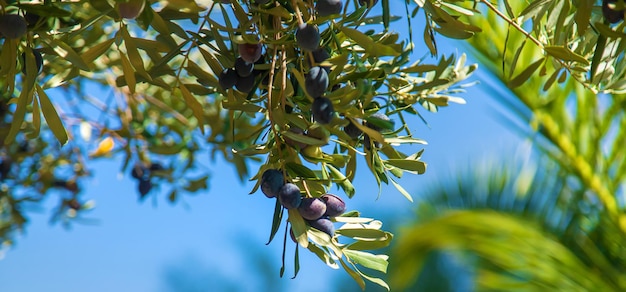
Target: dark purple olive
(335,206)
(312,208)
(289,196)
(271,182)
(323,224)
(328,7)
(228,78)
(610,14)
(13,26)
(322,110)
(308,37)
(250,52)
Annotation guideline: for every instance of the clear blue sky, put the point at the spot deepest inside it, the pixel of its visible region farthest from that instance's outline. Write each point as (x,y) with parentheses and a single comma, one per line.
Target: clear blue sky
(142,247)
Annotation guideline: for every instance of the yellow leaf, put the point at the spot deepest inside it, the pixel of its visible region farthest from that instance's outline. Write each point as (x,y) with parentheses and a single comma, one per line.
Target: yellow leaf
(104,147)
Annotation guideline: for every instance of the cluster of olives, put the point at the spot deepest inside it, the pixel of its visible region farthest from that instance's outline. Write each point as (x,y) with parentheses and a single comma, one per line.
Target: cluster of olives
(243,75)
(143,174)
(316,211)
(316,80)
(610,13)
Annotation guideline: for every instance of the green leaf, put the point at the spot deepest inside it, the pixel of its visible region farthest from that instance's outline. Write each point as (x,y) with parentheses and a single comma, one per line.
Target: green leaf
(18,116)
(197,184)
(371,244)
(408,164)
(583,15)
(345,218)
(565,54)
(133,54)
(402,190)
(299,170)
(8,57)
(386,13)
(195,106)
(68,53)
(52,117)
(375,135)
(36,120)
(356,276)
(368,260)
(366,42)
(296,263)
(375,280)
(96,51)
(129,73)
(303,139)
(362,233)
(341,180)
(47,10)
(405,139)
(211,61)
(533,9)
(324,256)
(526,74)
(276,220)
(299,227)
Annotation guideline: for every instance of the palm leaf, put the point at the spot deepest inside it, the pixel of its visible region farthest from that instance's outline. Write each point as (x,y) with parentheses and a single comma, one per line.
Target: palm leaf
(516,217)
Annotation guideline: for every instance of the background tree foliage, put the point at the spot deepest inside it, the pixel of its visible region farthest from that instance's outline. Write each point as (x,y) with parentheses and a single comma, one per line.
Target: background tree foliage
(166,105)
(560,218)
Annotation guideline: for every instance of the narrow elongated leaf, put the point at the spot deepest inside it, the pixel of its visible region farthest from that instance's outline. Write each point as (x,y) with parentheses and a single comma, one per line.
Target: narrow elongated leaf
(96,51)
(386,13)
(356,276)
(303,139)
(36,120)
(8,57)
(129,73)
(296,263)
(18,115)
(370,245)
(52,117)
(525,75)
(68,53)
(324,256)
(402,190)
(133,54)
(276,220)
(408,164)
(366,42)
(341,180)
(195,105)
(565,54)
(299,227)
(362,233)
(368,260)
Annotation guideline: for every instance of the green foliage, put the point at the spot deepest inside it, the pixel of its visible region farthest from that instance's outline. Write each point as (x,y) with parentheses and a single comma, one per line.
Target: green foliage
(516,210)
(161,62)
(564,75)
(511,252)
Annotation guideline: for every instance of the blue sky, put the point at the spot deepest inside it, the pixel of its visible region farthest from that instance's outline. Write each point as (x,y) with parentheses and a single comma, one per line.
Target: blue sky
(132,246)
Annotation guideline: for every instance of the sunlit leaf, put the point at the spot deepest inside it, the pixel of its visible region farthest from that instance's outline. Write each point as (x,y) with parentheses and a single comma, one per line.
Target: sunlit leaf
(104,147)
(52,117)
